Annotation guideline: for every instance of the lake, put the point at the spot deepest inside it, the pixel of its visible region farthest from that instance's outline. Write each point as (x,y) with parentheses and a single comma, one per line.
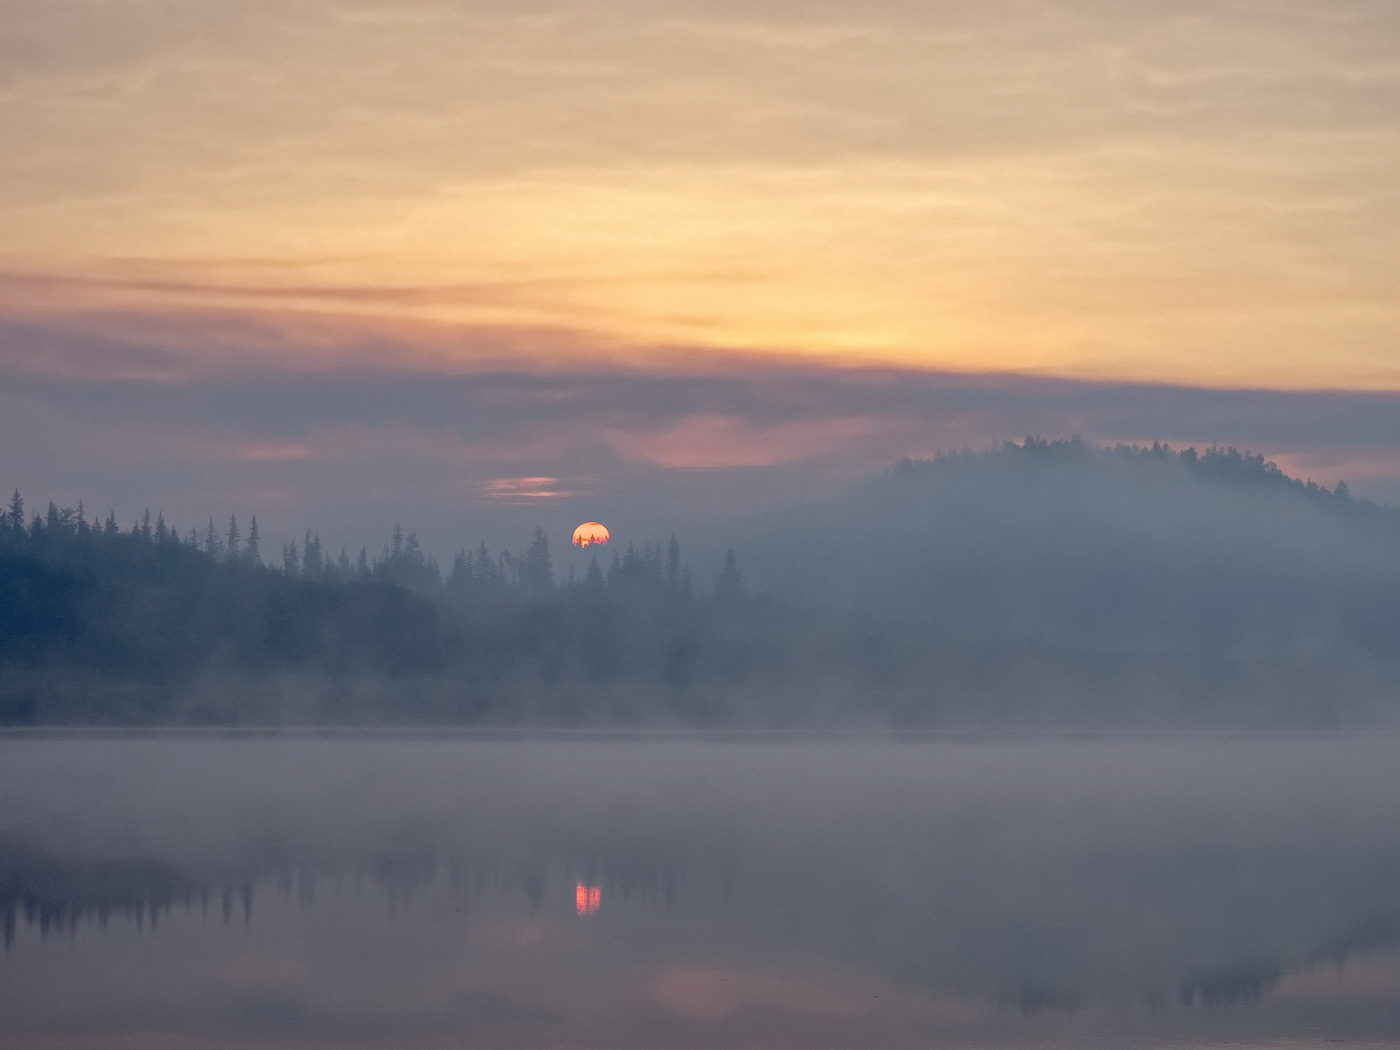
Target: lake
(613,891)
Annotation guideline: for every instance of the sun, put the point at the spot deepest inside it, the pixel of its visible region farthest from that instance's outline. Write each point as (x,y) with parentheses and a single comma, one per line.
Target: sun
(591,532)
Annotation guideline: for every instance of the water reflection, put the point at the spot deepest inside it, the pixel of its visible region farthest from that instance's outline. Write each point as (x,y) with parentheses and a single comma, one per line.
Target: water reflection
(587,899)
(758,893)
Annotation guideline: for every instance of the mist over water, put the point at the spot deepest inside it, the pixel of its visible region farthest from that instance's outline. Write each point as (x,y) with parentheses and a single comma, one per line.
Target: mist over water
(706,891)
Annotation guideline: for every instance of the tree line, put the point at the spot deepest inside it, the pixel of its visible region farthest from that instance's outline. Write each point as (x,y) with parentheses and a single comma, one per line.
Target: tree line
(100,623)
(1220,463)
(1046,582)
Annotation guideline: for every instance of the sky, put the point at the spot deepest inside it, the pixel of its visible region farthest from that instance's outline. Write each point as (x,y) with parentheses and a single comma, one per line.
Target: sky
(476,265)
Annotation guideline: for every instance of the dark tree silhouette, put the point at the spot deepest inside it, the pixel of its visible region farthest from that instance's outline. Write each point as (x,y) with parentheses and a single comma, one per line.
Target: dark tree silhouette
(1037,580)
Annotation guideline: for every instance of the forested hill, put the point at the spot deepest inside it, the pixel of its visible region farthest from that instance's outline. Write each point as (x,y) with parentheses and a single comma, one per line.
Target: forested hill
(1042,583)
(1060,581)
(104,625)
(1158,465)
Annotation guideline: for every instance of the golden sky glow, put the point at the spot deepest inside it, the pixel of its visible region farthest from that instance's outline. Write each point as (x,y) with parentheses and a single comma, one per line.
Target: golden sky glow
(1202,193)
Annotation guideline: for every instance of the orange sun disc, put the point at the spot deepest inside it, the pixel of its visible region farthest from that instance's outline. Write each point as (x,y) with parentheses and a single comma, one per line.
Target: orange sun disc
(589,533)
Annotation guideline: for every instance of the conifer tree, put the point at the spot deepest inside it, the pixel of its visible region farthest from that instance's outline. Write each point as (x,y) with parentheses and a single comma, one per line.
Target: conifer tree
(538,570)
(235,540)
(729,587)
(311,555)
(673,564)
(593,579)
(460,577)
(252,551)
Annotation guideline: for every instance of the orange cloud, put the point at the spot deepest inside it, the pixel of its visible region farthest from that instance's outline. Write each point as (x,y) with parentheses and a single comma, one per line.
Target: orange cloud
(1041,188)
(526,490)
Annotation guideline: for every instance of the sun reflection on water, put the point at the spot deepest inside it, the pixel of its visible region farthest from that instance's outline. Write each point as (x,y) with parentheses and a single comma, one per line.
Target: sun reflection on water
(587,899)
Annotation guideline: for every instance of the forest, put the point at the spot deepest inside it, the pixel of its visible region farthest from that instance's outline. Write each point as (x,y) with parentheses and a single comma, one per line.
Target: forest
(1043,583)
(105,625)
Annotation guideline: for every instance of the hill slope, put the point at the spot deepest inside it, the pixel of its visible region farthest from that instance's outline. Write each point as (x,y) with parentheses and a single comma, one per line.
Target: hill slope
(1058,580)
(1041,584)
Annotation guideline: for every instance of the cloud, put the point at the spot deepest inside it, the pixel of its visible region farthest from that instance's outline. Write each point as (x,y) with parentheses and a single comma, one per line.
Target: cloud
(462,455)
(527,491)
(359,261)
(1181,191)
(274,452)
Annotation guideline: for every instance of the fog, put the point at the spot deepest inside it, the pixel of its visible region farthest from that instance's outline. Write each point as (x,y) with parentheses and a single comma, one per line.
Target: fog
(1060,581)
(1023,874)
(1045,584)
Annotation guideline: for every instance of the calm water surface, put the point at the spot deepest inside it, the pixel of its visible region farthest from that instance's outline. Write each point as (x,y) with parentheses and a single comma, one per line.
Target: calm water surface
(779,892)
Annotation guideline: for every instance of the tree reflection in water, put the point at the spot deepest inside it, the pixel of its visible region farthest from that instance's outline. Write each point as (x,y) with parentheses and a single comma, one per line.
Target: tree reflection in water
(1039,879)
